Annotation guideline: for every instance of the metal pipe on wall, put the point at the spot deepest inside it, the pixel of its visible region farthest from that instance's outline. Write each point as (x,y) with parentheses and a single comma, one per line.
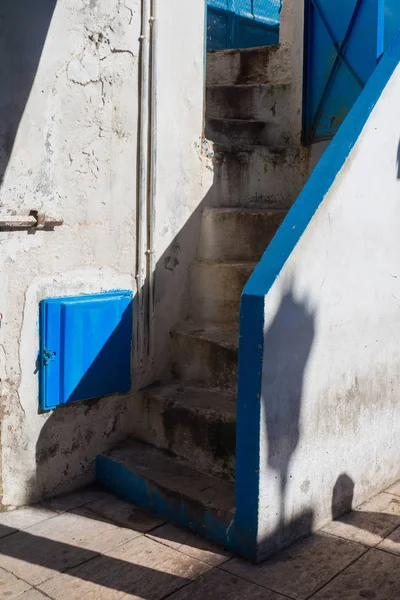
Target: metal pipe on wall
(142,197)
(147,181)
(153,174)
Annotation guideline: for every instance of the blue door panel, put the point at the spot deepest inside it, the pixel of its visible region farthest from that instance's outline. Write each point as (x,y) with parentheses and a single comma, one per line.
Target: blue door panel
(391,20)
(342,52)
(242,23)
(85,347)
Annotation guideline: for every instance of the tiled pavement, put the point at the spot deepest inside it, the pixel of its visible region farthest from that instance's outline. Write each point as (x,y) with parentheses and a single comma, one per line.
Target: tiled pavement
(91,545)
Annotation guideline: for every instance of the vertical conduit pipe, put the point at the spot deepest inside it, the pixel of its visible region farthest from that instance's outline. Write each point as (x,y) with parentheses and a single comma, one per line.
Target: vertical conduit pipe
(153,174)
(143,156)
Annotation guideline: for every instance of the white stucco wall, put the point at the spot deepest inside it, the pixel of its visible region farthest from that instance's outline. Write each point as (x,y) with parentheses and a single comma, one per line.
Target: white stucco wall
(330,419)
(70,88)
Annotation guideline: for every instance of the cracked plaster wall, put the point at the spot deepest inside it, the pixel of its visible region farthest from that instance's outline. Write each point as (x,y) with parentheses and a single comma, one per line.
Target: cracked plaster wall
(73,154)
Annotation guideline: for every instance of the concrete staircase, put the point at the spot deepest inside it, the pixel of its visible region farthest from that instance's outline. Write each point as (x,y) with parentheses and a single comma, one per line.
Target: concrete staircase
(259,171)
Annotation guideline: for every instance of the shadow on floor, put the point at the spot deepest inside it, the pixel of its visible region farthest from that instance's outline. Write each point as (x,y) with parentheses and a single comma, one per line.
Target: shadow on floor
(297,573)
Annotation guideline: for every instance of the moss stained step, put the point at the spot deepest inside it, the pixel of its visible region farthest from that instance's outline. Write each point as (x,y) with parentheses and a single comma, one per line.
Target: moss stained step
(194,423)
(206,356)
(233,234)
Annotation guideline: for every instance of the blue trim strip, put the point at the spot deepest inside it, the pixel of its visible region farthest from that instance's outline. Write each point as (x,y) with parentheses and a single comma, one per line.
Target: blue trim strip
(262,280)
(248,421)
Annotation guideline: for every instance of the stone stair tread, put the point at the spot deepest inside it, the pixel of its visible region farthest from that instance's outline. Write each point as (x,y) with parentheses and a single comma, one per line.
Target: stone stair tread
(252,50)
(246,86)
(248,210)
(260,64)
(251,264)
(228,121)
(168,476)
(193,397)
(274,152)
(227,338)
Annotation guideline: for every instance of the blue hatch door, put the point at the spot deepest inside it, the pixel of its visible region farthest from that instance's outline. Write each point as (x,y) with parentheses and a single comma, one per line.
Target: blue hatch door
(85,347)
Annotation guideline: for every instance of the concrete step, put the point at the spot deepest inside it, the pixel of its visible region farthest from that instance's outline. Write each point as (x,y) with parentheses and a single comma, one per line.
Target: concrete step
(215,290)
(206,356)
(170,487)
(253,65)
(257,176)
(244,131)
(231,234)
(194,423)
(262,102)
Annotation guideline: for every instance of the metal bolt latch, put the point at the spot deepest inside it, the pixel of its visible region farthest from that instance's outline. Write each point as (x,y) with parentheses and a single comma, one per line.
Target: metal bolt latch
(35,220)
(48,357)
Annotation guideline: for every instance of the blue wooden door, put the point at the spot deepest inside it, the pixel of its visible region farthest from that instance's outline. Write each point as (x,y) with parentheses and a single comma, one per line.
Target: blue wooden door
(344,39)
(242,23)
(391,20)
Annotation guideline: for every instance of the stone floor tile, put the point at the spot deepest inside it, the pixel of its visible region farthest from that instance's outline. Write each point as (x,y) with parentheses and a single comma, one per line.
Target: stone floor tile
(78,498)
(190,544)
(375,576)
(50,547)
(125,513)
(392,542)
(22,518)
(302,569)
(370,523)
(219,585)
(31,595)
(141,569)
(11,586)
(394,489)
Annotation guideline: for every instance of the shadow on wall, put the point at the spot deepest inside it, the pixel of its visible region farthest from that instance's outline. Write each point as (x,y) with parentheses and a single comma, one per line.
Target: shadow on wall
(23,29)
(368,524)
(342,496)
(287,347)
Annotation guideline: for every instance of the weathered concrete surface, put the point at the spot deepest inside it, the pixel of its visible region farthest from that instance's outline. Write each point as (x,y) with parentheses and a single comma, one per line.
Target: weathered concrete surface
(258,176)
(253,65)
(215,290)
(68,145)
(207,356)
(242,234)
(195,423)
(269,103)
